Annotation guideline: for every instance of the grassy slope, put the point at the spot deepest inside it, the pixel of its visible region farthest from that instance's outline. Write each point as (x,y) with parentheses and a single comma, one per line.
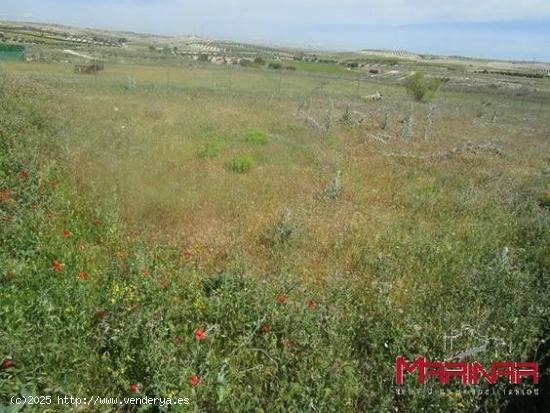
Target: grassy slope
(172,241)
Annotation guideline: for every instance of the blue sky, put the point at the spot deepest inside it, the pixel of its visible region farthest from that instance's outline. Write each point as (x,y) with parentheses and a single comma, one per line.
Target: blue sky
(478,28)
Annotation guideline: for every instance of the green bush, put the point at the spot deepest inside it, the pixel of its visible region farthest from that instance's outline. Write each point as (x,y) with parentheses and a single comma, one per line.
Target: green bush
(422,88)
(259,61)
(241,164)
(275,65)
(246,63)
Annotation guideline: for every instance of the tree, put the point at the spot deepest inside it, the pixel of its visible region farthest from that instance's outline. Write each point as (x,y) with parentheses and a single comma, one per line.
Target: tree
(259,61)
(423,88)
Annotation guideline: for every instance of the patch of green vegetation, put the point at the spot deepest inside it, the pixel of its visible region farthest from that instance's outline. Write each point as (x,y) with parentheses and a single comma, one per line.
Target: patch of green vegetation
(11,52)
(257,137)
(241,164)
(211,150)
(543,199)
(102,291)
(318,67)
(260,61)
(422,87)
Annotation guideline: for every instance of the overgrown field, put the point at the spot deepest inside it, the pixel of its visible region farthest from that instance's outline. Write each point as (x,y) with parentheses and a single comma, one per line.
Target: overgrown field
(265,241)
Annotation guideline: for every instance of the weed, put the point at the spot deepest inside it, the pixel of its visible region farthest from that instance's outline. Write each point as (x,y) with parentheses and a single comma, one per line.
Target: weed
(347,117)
(211,150)
(257,137)
(385,121)
(407,127)
(334,189)
(284,231)
(241,164)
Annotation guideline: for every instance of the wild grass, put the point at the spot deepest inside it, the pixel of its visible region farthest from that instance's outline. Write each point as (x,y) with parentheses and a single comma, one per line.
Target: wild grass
(241,164)
(164,239)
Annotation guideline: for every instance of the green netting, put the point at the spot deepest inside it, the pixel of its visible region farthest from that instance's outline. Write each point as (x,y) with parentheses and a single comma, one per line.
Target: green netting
(11,52)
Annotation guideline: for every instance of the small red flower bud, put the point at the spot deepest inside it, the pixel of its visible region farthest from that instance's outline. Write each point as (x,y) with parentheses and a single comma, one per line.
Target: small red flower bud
(194,380)
(199,334)
(187,254)
(7,364)
(281,298)
(56,266)
(134,388)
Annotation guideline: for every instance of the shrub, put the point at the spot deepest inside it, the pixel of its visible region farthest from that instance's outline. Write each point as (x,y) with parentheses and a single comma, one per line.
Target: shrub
(283,231)
(259,61)
(257,137)
(275,65)
(246,63)
(241,164)
(423,88)
(334,189)
(347,117)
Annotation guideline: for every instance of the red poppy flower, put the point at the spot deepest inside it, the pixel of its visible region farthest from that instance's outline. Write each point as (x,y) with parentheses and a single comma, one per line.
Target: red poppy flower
(7,364)
(82,275)
(266,328)
(24,175)
(100,314)
(194,380)
(134,388)
(187,254)
(66,234)
(97,221)
(311,304)
(56,266)
(199,334)
(281,298)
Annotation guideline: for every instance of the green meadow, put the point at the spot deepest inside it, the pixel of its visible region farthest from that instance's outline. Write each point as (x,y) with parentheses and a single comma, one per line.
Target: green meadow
(262,240)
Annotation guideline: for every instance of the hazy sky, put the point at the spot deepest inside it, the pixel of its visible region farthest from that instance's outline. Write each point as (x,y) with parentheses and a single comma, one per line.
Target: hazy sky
(518,29)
